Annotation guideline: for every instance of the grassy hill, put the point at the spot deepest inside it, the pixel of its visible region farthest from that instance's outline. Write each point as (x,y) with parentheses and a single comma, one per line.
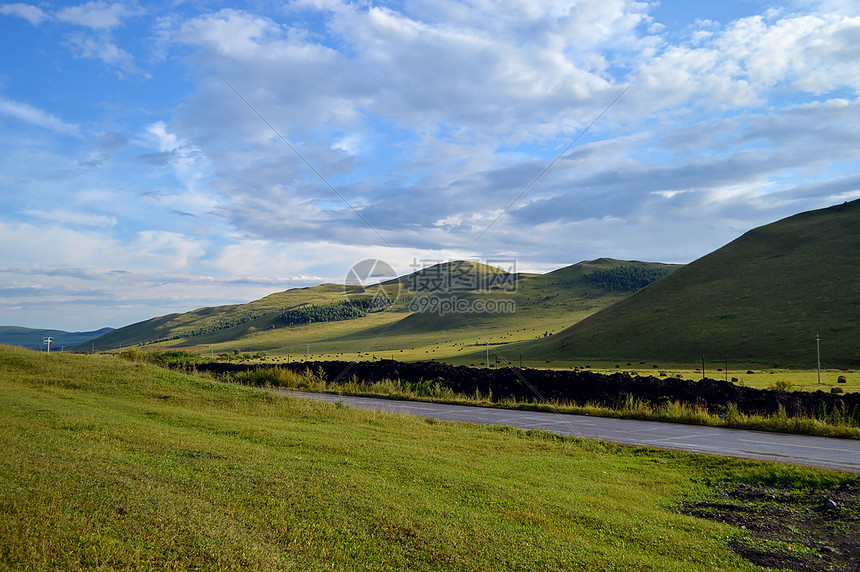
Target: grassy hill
(531,305)
(115,465)
(33,338)
(762,298)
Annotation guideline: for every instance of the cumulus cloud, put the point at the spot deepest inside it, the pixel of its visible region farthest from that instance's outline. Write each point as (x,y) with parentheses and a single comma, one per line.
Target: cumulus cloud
(454,88)
(481,101)
(418,73)
(743,64)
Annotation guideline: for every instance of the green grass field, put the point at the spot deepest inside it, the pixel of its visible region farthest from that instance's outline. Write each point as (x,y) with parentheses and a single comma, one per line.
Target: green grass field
(109,464)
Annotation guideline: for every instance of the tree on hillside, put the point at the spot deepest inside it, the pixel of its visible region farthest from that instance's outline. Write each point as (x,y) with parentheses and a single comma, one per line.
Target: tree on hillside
(624,278)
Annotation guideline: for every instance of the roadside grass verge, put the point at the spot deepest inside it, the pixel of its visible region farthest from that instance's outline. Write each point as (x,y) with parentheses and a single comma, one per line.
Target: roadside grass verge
(836,423)
(111,464)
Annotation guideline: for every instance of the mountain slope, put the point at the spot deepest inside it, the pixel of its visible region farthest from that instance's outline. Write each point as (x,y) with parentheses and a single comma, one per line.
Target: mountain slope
(762,298)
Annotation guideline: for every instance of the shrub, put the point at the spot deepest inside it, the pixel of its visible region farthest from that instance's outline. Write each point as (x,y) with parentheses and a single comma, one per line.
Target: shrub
(780,385)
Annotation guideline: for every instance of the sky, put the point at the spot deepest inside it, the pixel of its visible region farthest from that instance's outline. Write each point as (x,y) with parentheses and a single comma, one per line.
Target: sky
(163,156)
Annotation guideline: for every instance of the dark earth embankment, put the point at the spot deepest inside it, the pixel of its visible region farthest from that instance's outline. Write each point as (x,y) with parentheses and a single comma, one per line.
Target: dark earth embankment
(577,386)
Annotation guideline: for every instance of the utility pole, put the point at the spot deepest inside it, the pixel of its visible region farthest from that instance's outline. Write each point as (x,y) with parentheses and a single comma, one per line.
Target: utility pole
(488,354)
(308,355)
(703,366)
(727,368)
(818,349)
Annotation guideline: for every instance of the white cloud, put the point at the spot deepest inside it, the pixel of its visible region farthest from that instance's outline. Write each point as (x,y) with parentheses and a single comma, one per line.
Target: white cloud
(327,261)
(842,7)
(32,14)
(455,87)
(173,249)
(235,34)
(101,48)
(811,53)
(98,42)
(36,116)
(457,81)
(751,62)
(67,217)
(479,74)
(44,245)
(191,167)
(96,15)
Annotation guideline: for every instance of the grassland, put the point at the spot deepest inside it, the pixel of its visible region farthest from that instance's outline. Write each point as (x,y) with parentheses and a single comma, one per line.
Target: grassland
(109,464)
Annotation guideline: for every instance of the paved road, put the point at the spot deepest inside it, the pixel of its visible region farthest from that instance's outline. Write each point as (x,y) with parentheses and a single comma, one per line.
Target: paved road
(839,454)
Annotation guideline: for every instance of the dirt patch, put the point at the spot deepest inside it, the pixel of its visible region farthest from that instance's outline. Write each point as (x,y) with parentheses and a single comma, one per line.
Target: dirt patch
(788,528)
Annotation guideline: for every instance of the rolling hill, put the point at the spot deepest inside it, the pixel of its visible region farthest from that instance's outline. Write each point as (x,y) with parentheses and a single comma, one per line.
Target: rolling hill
(33,338)
(337,321)
(761,298)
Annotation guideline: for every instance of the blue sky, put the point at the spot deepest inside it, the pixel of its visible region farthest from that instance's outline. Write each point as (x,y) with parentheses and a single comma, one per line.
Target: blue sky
(134,182)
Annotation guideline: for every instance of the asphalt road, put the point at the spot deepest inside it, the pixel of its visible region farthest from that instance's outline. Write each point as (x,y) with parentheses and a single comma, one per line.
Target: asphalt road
(827,452)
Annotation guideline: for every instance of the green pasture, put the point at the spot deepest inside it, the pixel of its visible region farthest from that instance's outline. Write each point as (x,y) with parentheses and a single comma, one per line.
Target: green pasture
(115,465)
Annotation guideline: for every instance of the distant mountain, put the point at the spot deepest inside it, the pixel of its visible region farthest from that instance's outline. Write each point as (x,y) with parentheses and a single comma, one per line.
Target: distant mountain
(33,338)
(761,298)
(332,318)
